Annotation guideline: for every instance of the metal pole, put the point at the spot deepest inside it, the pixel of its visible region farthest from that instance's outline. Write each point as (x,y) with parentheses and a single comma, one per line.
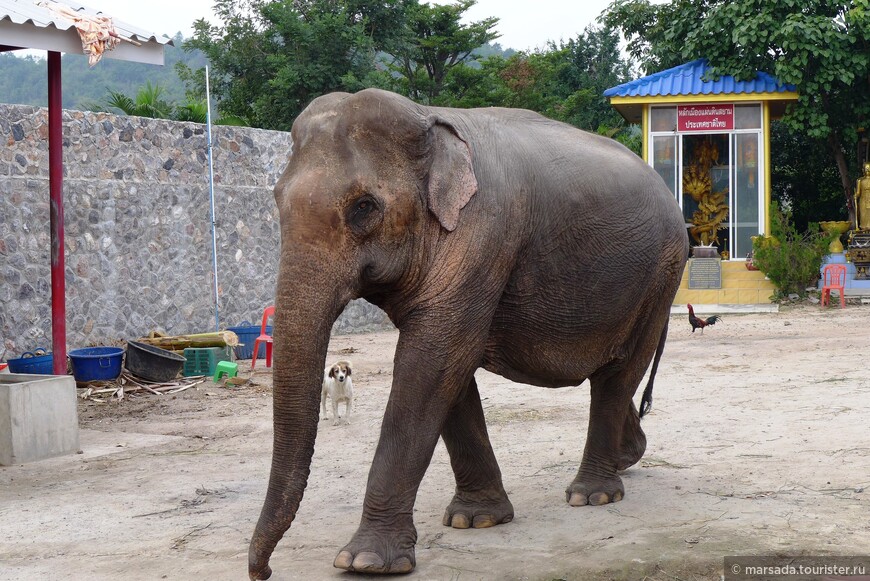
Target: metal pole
(55,187)
(211,198)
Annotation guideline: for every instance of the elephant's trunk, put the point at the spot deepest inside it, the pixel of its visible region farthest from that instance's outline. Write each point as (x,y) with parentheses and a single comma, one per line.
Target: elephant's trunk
(304,313)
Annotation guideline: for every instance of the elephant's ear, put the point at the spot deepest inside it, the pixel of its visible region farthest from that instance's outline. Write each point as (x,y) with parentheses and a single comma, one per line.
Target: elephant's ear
(451,175)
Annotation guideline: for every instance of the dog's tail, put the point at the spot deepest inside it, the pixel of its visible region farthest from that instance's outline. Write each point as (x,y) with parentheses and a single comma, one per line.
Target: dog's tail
(646,400)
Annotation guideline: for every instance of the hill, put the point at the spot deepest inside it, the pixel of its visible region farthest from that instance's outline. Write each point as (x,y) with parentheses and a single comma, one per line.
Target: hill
(24,79)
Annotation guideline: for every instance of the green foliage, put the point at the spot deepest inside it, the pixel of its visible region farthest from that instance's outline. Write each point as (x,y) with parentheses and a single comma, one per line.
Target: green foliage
(148,103)
(564,82)
(790,259)
(269,59)
(821,46)
(194,111)
(433,44)
(803,178)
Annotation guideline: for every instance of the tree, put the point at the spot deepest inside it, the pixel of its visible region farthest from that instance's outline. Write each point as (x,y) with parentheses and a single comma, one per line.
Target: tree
(804,181)
(821,46)
(583,68)
(433,44)
(564,82)
(271,58)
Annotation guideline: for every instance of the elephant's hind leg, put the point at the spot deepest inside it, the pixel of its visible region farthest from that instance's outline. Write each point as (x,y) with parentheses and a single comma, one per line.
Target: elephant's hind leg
(480,500)
(614,440)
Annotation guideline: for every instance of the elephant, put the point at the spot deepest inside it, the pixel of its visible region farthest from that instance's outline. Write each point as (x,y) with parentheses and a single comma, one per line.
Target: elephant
(493,238)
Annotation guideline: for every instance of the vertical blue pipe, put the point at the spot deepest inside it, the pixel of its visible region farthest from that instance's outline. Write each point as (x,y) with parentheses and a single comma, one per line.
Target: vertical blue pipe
(217,326)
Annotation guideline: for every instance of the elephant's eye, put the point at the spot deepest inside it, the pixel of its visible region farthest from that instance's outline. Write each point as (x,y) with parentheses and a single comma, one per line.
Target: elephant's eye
(363,214)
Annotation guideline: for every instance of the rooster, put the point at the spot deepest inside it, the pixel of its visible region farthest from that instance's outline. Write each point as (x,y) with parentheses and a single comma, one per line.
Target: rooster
(699,323)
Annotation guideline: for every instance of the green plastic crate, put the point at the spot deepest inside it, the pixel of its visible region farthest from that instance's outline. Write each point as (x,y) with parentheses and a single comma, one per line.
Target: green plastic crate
(203,360)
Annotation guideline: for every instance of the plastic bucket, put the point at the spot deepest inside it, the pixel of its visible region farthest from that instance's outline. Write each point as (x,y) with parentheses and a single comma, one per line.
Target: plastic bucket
(152,363)
(247,334)
(36,361)
(96,363)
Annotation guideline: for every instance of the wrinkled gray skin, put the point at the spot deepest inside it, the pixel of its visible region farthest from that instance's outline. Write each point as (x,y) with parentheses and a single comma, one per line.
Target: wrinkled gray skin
(492,238)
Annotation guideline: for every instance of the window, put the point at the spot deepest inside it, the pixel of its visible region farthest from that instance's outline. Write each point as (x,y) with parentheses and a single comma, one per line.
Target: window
(747,117)
(663,119)
(715,175)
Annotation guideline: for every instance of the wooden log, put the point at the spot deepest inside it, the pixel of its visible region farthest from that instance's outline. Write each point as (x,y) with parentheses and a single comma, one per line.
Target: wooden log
(182,342)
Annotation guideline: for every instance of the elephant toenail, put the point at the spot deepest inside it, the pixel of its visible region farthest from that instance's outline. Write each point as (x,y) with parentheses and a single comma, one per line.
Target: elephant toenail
(577,499)
(368,561)
(483,522)
(344,560)
(598,498)
(401,565)
(617,496)
(460,521)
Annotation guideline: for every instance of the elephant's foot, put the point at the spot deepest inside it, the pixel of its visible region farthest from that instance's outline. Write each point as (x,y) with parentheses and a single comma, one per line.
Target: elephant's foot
(378,553)
(467,511)
(594,491)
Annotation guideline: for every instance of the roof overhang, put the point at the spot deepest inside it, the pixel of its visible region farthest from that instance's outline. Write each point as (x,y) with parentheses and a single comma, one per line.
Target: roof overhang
(631,108)
(29,36)
(48,25)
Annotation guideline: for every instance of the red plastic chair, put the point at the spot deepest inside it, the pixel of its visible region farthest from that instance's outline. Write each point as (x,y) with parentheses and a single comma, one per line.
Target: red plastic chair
(264,338)
(834,278)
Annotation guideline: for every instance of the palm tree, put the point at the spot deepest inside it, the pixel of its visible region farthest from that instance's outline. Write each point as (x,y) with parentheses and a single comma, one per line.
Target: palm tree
(148,103)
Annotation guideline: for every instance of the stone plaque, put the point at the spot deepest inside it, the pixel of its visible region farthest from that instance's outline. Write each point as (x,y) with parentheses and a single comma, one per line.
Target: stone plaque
(705,273)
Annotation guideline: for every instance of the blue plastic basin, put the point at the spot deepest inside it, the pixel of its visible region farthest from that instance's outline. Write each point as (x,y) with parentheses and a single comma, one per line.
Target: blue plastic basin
(96,363)
(32,362)
(247,334)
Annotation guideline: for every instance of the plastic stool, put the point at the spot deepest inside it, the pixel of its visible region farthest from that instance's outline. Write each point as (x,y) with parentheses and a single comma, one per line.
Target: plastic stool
(225,367)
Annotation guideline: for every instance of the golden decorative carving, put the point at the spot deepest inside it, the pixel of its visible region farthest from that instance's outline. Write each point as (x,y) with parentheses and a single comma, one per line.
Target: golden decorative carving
(698,183)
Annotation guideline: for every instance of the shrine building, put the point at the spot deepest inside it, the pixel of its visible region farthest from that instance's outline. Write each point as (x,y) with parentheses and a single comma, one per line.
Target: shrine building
(709,140)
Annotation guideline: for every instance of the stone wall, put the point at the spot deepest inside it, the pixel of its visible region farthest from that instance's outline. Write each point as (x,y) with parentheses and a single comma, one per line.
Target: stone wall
(138,238)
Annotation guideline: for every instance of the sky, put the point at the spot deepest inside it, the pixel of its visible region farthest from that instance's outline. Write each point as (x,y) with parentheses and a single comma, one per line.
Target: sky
(523,24)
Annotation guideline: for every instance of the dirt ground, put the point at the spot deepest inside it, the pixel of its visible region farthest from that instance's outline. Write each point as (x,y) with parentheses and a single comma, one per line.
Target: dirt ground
(758,444)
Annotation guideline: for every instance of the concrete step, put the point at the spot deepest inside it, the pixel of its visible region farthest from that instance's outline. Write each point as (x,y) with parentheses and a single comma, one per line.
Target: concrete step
(739,286)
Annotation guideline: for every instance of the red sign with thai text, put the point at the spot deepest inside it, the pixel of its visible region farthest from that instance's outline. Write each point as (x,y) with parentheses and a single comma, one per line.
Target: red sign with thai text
(705,117)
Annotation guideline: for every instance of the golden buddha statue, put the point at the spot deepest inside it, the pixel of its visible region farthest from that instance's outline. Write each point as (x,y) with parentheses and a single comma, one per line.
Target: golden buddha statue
(862,199)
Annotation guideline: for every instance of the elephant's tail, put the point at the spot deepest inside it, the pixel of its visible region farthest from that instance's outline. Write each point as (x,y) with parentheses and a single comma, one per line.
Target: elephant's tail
(646,400)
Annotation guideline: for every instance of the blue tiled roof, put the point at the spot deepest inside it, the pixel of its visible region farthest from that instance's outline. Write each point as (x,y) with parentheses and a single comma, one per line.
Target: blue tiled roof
(688,79)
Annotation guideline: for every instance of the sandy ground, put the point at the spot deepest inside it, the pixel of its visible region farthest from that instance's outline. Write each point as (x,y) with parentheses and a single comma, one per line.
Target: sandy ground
(758,444)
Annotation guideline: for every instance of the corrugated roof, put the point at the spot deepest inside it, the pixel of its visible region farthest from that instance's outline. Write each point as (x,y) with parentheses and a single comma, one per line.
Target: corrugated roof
(688,79)
(28,12)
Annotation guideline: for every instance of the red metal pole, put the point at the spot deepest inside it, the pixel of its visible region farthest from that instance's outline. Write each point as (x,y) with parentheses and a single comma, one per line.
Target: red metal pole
(55,181)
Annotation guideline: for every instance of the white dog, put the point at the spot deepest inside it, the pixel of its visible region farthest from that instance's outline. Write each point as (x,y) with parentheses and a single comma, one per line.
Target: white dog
(338,385)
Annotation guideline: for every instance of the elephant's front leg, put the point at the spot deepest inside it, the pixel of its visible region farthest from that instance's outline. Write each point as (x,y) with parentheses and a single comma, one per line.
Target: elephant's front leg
(480,500)
(426,382)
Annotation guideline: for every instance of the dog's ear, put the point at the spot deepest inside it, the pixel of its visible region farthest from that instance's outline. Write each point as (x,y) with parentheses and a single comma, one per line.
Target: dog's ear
(347,366)
(332,372)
